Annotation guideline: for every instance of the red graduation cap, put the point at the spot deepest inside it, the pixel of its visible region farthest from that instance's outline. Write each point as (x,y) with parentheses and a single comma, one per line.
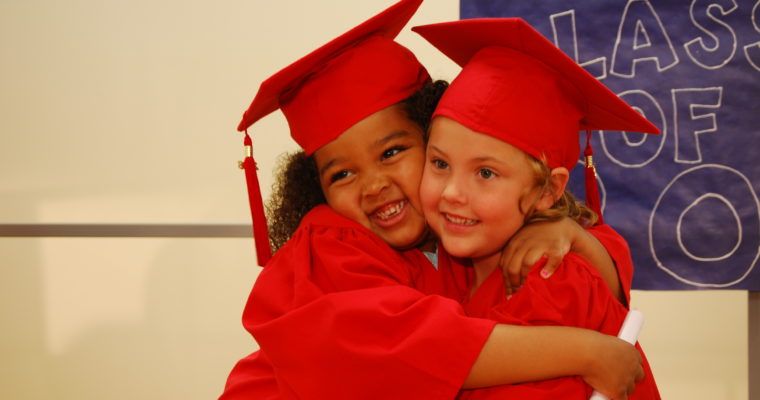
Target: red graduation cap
(331,89)
(518,87)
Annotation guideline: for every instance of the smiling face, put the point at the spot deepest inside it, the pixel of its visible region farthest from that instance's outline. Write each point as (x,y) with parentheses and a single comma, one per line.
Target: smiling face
(475,189)
(371,174)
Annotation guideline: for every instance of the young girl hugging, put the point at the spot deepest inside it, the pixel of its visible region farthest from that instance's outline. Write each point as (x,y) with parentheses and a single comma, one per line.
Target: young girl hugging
(503,139)
(349,307)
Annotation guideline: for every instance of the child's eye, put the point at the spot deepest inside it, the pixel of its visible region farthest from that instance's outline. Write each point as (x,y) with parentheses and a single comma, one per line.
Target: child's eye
(439,164)
(339,175)
(486,173)
(392,152)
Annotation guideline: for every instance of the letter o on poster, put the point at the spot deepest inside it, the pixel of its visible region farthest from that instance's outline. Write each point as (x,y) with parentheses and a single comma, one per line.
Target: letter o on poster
(704,229)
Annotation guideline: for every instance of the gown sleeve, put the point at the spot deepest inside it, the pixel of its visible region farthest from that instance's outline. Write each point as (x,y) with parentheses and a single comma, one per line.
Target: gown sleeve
(338,315)
(252,378)
(618,249)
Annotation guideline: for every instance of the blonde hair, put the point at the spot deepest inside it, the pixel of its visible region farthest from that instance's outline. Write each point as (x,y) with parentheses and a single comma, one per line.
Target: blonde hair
(566,206)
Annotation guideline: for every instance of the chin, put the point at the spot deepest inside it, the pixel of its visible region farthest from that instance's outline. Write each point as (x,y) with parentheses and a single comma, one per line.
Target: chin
(458,251)
(397,242)
(407,237)
(402,245)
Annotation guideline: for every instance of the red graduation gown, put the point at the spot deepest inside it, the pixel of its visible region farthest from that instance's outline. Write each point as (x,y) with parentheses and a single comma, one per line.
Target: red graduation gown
(618,249)
(341,315)
(457,277)
(576,295)
(252,377)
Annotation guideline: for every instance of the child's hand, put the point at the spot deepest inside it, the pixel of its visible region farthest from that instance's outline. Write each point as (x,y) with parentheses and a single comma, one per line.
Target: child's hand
(549,241)
(615,368)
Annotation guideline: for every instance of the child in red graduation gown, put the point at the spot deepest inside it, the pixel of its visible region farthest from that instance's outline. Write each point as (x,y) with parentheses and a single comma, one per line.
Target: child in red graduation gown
(503,139)
(339,311)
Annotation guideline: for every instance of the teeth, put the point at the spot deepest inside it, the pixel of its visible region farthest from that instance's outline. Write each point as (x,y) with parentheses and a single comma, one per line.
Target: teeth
(459,220)
(390,211)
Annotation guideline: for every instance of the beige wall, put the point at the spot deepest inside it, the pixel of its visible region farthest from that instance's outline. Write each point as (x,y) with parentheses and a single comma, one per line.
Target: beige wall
(124,112)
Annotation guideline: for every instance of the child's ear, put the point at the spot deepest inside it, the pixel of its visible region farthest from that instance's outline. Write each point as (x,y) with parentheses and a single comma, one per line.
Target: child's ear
(558,178)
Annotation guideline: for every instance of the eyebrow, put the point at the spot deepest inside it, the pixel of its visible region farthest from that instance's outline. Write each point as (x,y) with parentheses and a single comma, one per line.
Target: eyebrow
(329,165)
(476,159)
(391,136)
(487,158)
(433,147)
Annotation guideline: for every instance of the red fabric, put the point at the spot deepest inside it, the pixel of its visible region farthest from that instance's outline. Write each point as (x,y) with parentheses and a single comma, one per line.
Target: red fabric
(337,312)
(358,73)
(260,231)
(592,191)
(518,87)
(575,295)
(618,249)
(252,378)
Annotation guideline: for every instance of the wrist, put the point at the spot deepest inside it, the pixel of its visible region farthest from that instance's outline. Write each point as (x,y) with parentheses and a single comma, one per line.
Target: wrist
(591,352)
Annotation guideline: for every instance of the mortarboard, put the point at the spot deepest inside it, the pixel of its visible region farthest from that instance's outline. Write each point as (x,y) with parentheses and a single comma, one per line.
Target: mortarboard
(518,87)
(331,89)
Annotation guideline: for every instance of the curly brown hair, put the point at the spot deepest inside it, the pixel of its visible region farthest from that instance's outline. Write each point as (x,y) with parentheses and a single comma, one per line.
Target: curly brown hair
(297,190)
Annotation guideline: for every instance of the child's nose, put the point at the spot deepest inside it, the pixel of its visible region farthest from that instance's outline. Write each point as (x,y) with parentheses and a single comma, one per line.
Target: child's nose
(452,192)
(375,184)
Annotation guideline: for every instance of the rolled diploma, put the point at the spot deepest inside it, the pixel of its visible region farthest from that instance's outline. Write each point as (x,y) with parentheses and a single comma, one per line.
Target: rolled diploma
(628,332)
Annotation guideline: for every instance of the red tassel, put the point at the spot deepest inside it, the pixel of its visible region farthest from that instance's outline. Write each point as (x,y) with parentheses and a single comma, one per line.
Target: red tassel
(592,191)
(260,231)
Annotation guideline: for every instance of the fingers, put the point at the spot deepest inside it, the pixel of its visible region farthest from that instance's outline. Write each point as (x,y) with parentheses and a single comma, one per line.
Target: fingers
(515,269)
(510,265)
(628,390)
(515,277)
(526,249)
(551,264)
(506,256)
(639,374)
(631,387)
(519,266)
(532,256)
(508,287)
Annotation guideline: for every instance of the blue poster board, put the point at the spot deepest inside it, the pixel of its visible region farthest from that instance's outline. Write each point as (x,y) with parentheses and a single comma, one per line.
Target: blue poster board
(685,200)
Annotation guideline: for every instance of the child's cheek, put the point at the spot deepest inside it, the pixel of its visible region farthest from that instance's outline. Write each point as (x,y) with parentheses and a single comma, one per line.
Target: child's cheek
(429,194)
(415,168)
